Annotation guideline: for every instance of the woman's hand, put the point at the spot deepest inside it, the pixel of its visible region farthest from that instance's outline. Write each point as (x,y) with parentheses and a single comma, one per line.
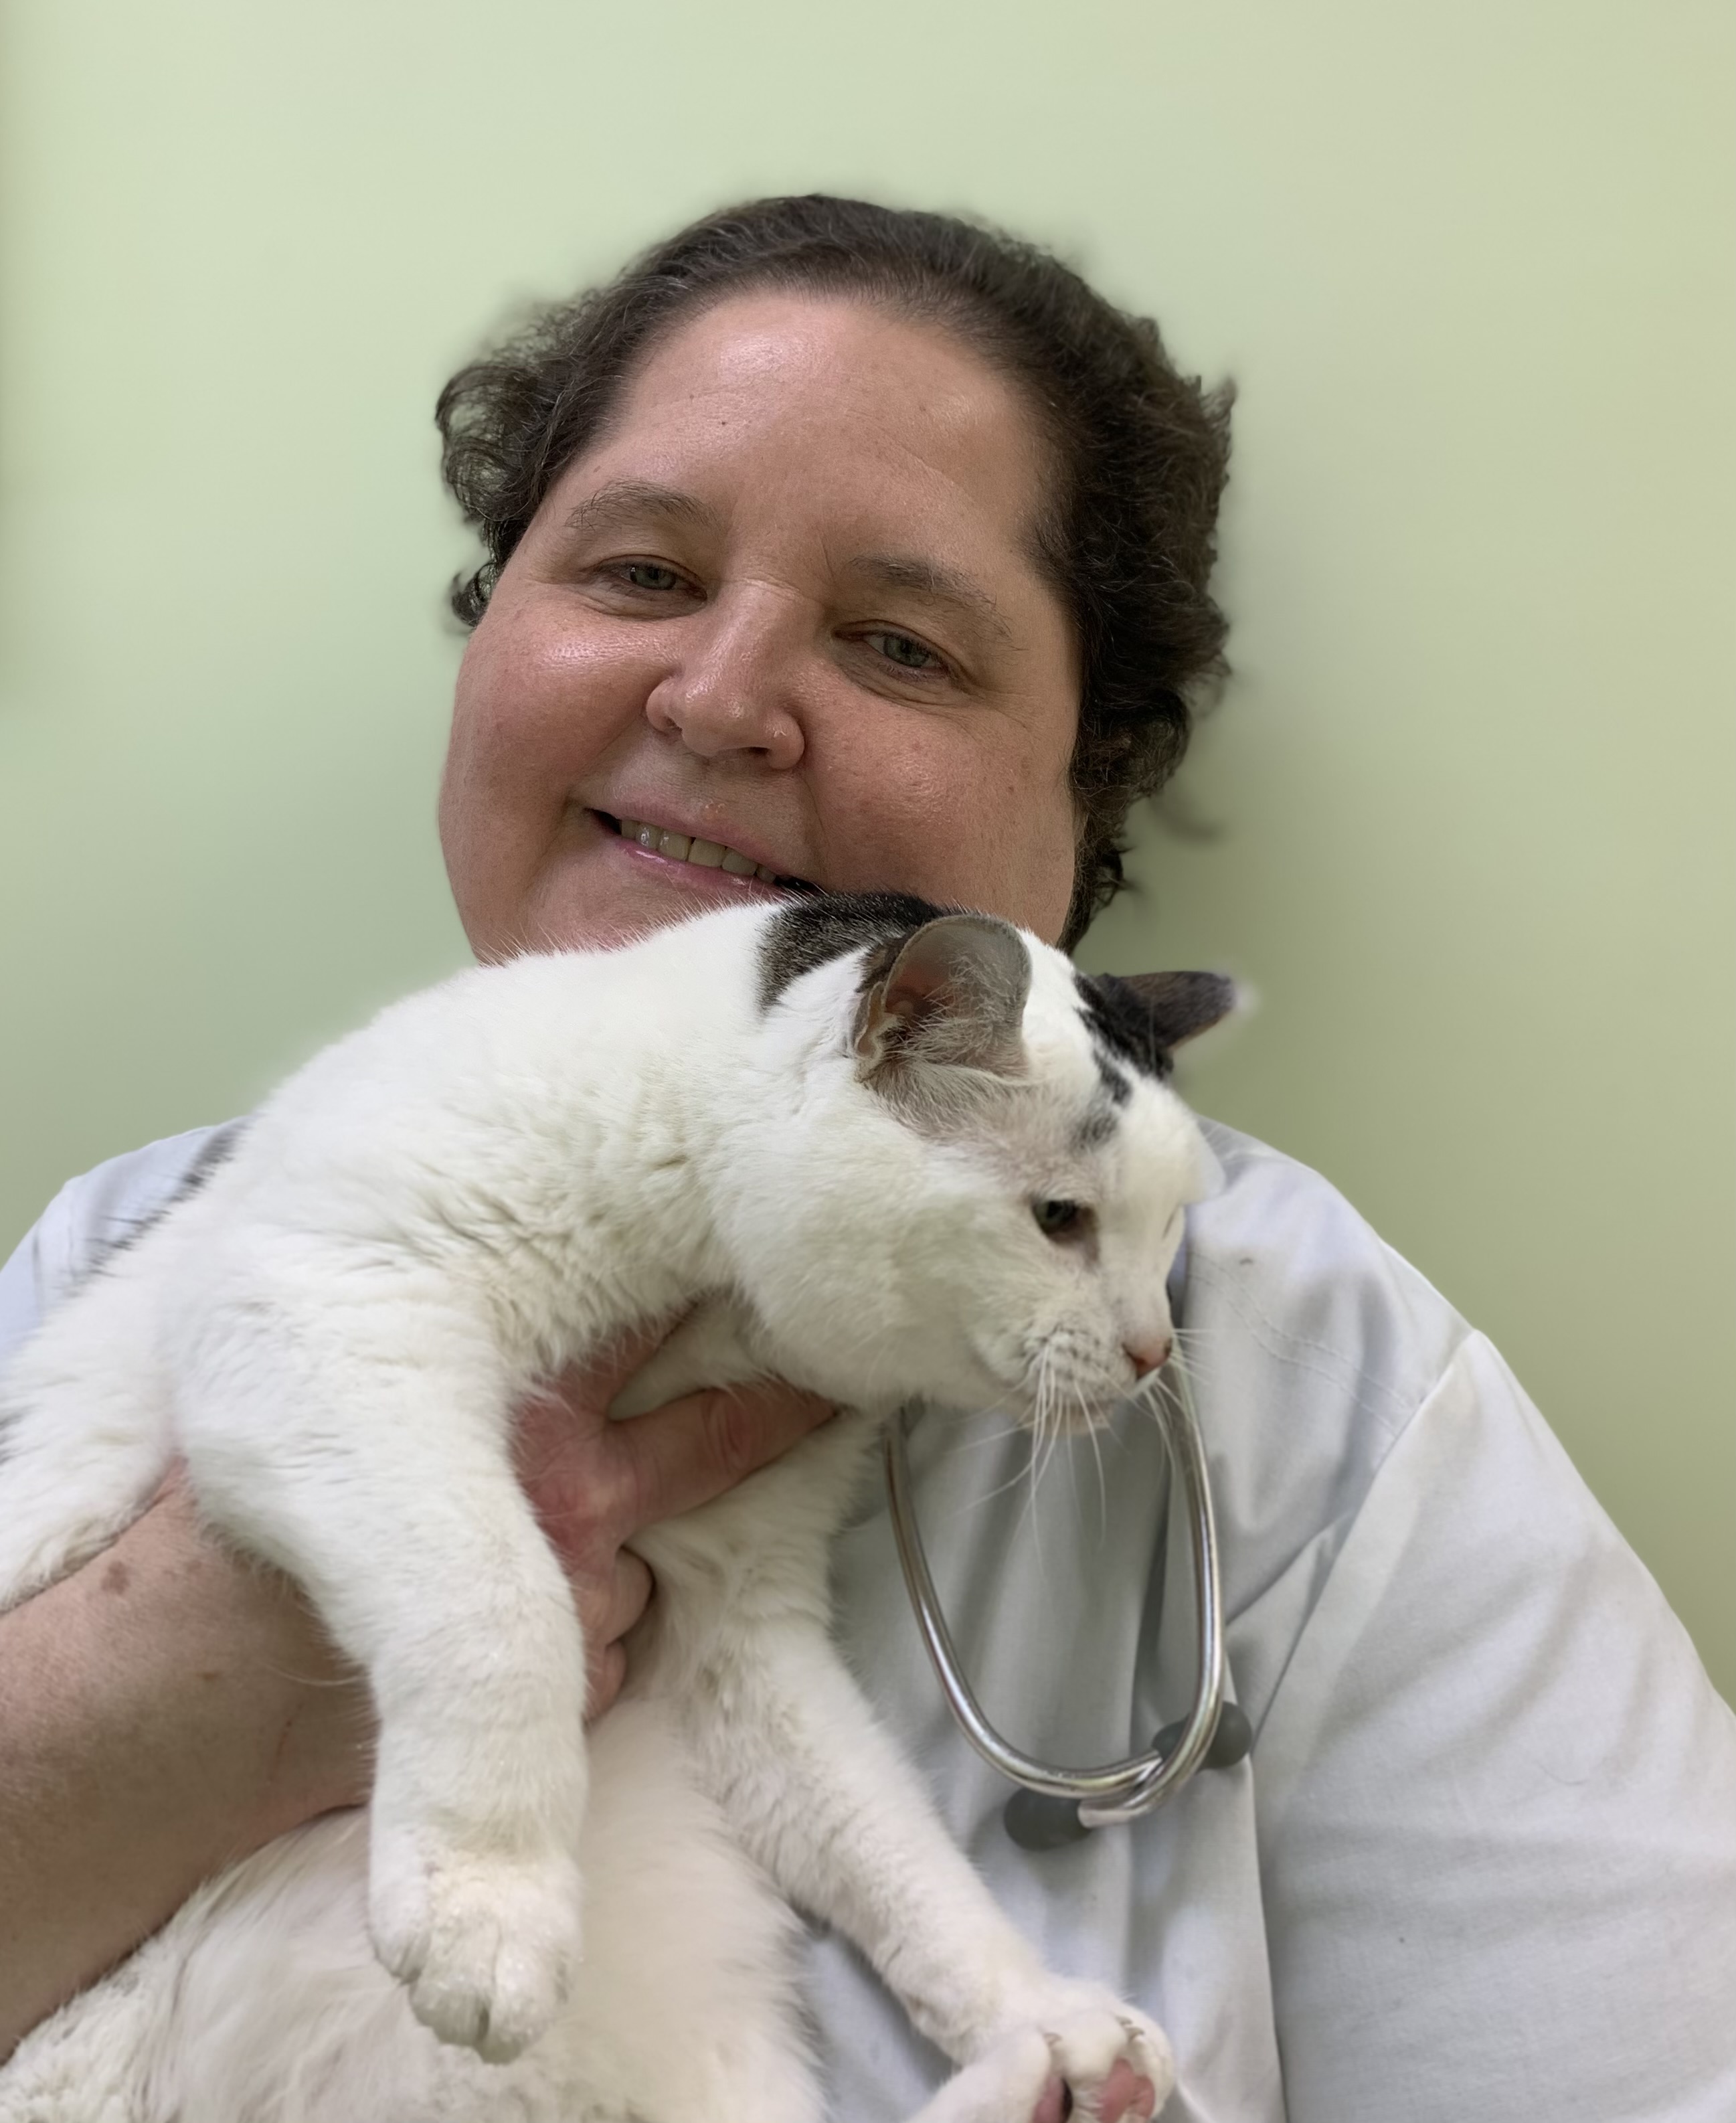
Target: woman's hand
(594,1483)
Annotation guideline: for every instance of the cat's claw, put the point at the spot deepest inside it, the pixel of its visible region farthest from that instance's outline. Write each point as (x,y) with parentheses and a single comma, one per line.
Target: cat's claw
(487,1948)
(1113,2062)
(1080,2053)
(1102,2053)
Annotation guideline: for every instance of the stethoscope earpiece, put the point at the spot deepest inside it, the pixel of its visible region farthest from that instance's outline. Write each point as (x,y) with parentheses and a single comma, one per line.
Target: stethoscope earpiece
(1036,1821)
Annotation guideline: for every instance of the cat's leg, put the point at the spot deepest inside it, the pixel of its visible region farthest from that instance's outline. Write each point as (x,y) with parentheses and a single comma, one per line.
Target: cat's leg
(364,1451)
(688,2009)
(827,1803)
(84,1433)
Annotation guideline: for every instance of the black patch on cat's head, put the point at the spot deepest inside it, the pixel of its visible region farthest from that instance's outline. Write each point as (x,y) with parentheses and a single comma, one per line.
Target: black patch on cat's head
(1143,1019)
(824,925)
(1102,1118)
(1111,1075)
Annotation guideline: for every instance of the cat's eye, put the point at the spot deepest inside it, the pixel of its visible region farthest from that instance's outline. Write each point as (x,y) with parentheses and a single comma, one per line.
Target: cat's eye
(1061,1219)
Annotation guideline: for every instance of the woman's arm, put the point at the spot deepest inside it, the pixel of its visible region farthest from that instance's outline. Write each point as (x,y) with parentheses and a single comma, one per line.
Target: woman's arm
(163,1711)
(171,1707)
(1497,1802)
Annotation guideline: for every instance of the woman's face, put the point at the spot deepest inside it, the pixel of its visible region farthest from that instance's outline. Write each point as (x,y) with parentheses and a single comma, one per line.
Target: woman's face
(783,618)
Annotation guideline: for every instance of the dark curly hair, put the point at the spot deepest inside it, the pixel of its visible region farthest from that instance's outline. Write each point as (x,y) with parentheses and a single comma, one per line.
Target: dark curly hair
(1140,451)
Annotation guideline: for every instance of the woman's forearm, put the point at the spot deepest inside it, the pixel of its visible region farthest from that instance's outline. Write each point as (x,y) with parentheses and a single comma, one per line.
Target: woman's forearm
(163,1711)
(171,1707)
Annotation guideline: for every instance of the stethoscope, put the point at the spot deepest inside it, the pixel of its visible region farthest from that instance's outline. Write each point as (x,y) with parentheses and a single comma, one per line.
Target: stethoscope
(1056,1805)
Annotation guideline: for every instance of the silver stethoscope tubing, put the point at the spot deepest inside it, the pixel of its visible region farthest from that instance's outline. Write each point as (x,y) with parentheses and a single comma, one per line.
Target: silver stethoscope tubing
(1119,1791)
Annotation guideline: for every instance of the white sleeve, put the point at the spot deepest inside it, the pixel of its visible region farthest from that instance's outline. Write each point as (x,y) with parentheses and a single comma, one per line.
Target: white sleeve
(1497,1804)
(89,1216)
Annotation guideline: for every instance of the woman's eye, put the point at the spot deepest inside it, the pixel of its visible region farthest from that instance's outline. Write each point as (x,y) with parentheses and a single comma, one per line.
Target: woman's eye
(1061,1219)
(904,651)
(650,575)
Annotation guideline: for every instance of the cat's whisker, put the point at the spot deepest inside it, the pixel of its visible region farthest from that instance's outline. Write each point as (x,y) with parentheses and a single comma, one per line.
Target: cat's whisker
(1011,1426)
(1073,1475)
(1149,1394)
(1192,1345)
(1010,1429)
(1052,1440)
(1000,1489)
(1097,1454)
(1045,1435)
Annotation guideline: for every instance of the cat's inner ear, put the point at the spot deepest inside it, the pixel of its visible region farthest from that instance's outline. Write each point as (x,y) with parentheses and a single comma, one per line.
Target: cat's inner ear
(952,995)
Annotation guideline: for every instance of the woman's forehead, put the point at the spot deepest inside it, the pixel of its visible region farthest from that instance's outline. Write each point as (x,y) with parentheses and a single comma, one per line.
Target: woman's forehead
(827,415)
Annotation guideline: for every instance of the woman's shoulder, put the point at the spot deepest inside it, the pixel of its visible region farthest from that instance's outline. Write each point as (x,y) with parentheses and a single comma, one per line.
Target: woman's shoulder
(1313,1349)
(1281,1248)
(1294,1304)
(92,1215)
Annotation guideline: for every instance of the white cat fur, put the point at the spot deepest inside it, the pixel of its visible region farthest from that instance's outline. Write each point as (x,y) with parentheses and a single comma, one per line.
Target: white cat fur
(495,1177)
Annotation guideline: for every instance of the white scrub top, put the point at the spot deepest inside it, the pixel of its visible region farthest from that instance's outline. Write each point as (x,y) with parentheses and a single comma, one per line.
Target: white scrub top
(1481,1867)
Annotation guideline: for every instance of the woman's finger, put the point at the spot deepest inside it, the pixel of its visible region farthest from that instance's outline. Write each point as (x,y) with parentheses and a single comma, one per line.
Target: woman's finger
(589,1386)
(561,1446)
(606,1670)
(681,1456)
(630,1589)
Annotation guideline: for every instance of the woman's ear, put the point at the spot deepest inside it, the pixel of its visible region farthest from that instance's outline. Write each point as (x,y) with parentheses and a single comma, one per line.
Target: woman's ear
(952,996)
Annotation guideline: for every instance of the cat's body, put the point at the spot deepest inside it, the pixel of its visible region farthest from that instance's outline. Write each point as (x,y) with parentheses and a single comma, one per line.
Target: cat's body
(830,1124)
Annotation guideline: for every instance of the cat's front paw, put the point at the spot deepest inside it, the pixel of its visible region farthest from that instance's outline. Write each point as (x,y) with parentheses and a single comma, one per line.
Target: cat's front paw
(487,1945)
(1071,2050)
(1111,2059)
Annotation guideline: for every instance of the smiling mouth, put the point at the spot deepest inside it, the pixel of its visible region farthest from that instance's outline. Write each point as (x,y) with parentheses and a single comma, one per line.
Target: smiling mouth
(701,854)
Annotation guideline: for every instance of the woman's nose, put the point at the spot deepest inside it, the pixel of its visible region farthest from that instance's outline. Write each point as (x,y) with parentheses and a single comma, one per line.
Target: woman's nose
(734,689)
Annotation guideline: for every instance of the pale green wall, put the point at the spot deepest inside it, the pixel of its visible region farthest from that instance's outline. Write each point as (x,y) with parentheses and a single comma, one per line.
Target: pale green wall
(1469,261)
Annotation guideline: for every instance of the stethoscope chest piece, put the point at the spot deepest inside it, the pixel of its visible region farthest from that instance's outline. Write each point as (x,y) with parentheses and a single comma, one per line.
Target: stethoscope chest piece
(1055,1806)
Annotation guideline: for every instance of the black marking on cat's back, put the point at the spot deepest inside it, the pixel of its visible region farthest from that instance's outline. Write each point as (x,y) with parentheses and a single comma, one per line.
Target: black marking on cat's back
(824,925)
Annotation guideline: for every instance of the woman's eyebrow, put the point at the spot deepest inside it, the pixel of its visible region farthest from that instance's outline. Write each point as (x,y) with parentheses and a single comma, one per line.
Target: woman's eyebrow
(933,580)
(621,501)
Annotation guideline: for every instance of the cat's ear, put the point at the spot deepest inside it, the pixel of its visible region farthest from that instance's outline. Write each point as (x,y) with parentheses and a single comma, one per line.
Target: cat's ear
(1146,1016)
(1180,1006)
(952,995)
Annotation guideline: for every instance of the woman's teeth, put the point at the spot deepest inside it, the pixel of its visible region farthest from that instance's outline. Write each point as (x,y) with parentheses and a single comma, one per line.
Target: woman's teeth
(708,855)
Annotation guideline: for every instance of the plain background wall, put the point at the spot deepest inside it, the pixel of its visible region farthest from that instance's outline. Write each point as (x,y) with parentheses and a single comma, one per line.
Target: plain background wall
(1471,264)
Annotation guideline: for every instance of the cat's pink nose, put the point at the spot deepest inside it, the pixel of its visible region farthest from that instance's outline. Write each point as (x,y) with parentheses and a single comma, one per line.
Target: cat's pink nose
(1149,1355)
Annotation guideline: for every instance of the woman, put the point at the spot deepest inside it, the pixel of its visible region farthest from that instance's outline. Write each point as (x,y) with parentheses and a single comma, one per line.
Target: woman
(863,549)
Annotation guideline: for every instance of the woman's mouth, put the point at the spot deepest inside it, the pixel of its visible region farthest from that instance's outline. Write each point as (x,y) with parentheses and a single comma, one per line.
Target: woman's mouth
(700,854)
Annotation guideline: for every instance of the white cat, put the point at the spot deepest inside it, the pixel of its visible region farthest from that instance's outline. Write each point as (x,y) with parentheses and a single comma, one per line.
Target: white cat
(905,1153)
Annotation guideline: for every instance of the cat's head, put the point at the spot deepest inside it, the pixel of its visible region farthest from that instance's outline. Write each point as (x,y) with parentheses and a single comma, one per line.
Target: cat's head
(975,1191)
